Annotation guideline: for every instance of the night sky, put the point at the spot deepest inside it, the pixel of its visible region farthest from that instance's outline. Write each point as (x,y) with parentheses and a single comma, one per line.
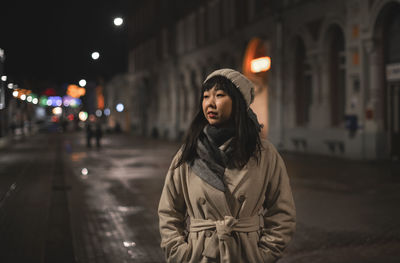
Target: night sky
(52,43)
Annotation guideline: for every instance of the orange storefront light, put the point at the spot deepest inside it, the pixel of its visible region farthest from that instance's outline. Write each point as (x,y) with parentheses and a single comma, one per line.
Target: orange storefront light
(75,91)
(261,64)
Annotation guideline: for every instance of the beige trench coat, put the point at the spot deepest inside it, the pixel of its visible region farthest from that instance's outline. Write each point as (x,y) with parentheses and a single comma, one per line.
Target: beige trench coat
(252,222)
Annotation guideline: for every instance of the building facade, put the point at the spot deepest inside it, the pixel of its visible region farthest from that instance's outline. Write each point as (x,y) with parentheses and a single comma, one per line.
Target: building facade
(334,83)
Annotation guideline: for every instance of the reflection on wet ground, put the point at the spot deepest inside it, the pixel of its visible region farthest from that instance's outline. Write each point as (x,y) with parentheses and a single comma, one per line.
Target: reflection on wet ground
(114,200)
(347,211)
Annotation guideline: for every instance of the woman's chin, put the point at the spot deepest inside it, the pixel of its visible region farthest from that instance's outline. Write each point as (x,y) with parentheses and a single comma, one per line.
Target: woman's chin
(218,123)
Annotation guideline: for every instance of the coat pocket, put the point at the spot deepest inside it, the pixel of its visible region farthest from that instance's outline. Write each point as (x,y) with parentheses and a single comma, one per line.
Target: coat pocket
(188,252)
(263,253)
(266,256)
(180,254)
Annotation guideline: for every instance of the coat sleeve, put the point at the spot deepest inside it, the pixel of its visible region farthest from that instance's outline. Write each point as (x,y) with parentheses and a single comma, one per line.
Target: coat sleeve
(171,212)
(279,211)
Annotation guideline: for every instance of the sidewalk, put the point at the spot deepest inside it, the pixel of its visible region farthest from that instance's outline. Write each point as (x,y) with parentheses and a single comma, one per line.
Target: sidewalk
(34,223)
(347,211)
(114,205)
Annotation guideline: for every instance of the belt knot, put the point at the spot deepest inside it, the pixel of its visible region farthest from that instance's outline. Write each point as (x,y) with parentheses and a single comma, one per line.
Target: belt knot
(225,227)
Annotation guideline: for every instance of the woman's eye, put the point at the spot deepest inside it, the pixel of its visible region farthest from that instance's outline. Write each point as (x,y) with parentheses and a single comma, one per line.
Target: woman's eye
(220,95)
(205,96)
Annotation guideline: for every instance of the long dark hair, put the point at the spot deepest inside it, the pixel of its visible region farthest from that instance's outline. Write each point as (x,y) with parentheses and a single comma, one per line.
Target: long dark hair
(246,141)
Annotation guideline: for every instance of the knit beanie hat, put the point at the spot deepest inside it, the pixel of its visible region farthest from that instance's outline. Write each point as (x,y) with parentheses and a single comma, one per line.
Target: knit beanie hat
(245,86)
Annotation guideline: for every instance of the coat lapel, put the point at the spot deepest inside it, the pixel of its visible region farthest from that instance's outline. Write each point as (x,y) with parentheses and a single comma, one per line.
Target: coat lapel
(235,178)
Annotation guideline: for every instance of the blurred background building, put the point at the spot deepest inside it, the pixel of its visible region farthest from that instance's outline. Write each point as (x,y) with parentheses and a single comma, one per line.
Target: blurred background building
(333,86)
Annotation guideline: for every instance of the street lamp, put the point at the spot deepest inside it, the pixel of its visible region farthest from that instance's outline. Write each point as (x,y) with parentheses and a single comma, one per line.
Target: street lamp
(95,55)
(99,113)
(118,21)
(82,83)
(119,107)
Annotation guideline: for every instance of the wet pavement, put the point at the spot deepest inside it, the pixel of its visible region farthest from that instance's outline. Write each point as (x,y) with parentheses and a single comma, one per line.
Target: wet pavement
(63,202)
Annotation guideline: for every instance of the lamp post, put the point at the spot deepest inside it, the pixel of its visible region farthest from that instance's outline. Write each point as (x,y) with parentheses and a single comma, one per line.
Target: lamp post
(3,80)
(82,83)
(95,55)
(118,21)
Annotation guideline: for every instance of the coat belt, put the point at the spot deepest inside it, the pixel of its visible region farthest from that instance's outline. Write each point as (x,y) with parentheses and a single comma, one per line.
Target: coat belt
(222,235)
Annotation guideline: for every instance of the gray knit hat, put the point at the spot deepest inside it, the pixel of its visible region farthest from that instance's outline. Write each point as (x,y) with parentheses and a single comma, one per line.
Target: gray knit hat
(245,86)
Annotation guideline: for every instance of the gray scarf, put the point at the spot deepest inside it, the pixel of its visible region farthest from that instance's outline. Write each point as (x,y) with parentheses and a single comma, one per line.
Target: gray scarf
(211,161)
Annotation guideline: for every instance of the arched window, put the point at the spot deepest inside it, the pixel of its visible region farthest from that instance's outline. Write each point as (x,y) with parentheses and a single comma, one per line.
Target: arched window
(337,74)
(241,13)
(392,48)
(391,41)
(303,84)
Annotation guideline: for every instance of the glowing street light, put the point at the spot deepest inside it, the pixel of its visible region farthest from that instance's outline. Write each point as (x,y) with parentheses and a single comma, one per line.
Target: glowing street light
(119,107)
(4,78)
(57,111)
(99,113)
(95,55)
(83,115)
(82,83)
(15,93)
(118,21)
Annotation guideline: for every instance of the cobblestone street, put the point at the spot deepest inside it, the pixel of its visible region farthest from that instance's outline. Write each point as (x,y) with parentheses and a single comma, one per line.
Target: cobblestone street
(347,210)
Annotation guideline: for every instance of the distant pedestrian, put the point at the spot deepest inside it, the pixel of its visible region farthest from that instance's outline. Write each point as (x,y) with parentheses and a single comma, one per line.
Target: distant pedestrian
(13,126)
(117,128)
(231,184)
(64,124)
(89,133)
(98,133)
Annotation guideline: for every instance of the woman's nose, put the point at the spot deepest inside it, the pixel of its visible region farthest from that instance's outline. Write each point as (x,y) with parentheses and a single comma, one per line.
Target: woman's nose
(210,101)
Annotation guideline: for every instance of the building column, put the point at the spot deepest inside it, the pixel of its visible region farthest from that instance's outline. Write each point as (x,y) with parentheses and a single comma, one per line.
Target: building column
(373,79)
(316,114)
(372,140)
(278,84)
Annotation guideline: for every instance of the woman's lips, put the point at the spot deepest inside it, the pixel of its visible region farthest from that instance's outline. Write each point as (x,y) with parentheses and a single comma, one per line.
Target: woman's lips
(211,114)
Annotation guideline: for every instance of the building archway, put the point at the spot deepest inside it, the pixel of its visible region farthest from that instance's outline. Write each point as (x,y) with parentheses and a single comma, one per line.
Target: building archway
(258,48)
(387,41)
(302,84)
(336,59)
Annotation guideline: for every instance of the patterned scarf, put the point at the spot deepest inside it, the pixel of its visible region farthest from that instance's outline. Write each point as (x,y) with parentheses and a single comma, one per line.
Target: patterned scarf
(211,161)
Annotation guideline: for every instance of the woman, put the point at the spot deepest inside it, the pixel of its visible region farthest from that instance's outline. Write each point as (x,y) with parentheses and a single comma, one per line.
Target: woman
(232,184)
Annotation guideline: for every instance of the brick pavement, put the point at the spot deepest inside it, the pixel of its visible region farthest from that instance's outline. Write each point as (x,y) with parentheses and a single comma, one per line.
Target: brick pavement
(28,209)
(113,208)
(347,210)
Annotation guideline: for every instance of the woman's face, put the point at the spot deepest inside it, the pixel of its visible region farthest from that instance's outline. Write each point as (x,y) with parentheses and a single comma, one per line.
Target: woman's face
(217,107)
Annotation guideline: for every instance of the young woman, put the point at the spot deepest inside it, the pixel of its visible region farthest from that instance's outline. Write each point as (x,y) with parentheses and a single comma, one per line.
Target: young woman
(231,184)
